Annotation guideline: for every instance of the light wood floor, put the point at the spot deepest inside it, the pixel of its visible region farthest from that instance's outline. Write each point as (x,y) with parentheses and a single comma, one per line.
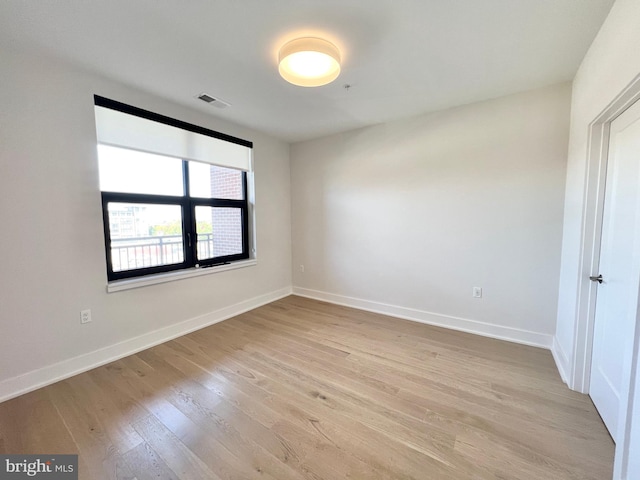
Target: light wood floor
(300,389)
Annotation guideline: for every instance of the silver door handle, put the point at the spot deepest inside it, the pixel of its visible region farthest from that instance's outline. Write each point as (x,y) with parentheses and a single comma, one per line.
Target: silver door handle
(596,279)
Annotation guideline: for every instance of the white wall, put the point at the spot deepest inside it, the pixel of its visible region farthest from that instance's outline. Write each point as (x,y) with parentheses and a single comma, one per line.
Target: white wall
(52,248)
(407,217)
(610,65)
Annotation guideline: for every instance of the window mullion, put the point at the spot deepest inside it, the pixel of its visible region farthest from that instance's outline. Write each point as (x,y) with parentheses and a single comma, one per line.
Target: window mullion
(223,202)
(190,234)
(245,217)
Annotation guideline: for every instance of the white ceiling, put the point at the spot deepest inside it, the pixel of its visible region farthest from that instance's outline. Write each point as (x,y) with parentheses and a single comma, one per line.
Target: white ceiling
(401,57)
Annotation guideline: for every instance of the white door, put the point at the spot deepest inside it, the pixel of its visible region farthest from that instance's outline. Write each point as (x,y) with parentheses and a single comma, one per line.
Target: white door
(617,296)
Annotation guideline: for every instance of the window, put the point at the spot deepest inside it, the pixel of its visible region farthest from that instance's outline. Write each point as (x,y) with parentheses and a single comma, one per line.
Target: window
(174,195)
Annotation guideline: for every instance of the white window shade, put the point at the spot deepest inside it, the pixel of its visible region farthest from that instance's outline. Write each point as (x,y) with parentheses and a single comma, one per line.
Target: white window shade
(129,131)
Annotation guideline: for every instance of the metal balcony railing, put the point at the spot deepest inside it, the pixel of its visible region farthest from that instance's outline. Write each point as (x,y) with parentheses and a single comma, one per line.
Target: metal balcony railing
(152,251)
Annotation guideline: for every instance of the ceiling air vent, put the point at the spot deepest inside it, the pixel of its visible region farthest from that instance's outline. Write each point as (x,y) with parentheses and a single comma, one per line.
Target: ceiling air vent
(216,102)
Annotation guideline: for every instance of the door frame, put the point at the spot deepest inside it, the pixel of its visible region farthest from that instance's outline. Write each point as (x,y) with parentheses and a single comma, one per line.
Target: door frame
(591,230)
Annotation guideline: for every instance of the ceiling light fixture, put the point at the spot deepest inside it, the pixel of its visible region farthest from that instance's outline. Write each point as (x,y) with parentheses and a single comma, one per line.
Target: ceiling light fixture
(309,62)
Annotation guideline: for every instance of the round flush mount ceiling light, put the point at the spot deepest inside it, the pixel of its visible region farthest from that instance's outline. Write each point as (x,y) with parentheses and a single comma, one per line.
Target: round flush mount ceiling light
(309,62)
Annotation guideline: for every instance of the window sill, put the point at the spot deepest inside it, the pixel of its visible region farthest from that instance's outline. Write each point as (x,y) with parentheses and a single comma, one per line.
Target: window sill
(147,280)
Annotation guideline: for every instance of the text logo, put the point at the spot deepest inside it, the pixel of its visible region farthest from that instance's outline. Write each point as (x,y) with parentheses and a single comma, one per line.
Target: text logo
(49,467)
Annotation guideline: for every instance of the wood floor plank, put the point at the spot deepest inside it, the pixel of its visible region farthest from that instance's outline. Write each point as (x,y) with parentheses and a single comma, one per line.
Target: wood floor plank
(145,463)
(99,457)
(31,423)
(222,424)
(304,390)
(222,462)
(173,452)
(366,423)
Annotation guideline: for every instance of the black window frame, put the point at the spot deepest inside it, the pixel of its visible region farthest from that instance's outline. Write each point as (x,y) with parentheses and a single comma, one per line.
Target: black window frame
(186,202)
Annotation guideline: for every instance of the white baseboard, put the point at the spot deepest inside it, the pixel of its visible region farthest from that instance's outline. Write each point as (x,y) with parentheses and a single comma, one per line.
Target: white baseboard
(35,379)
(500,332)
(561,359)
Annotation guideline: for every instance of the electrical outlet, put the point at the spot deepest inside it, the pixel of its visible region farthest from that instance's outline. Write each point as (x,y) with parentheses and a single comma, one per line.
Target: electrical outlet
(477,292)
(85,316)
(302,268)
